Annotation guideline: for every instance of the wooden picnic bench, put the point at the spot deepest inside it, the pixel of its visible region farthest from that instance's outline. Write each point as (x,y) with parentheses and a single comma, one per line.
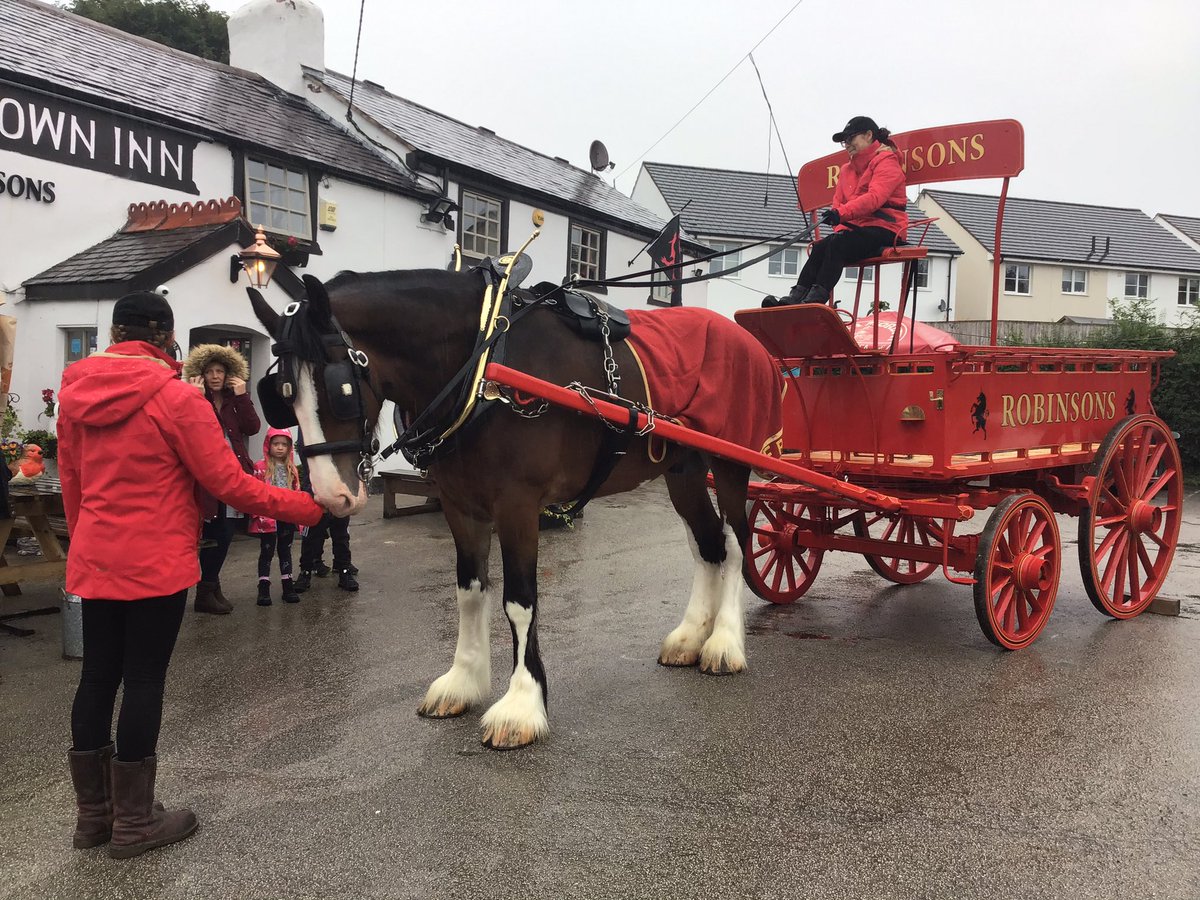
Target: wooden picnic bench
(37,510)
(411,484)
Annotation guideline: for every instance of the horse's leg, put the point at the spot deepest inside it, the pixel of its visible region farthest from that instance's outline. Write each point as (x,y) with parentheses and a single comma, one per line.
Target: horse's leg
(469,680)
(689,496)
(519,717)
(725,650)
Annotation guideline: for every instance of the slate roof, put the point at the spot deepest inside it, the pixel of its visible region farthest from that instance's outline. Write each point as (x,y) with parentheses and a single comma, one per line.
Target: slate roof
(1189,225)
(42,44)
(1050,231)
(122,256)
(456,143)
(729,203)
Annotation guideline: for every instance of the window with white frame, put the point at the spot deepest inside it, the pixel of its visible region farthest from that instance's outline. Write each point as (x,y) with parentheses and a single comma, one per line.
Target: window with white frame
(868,274)
(277,198)
(660,293)
(1016,279)
(79,343)
(1189,291)
(586,253)
(923,273)
(1137,285)
(784,263)
(481,219)
(720,265)
(1074,281)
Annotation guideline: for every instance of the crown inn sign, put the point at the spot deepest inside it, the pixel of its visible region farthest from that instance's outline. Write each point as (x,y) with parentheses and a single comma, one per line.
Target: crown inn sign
(51,128)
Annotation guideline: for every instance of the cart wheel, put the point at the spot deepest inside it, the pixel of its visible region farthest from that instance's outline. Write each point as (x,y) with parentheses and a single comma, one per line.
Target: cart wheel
(1128,530)
(777,569)
(903,530)
(1016,572)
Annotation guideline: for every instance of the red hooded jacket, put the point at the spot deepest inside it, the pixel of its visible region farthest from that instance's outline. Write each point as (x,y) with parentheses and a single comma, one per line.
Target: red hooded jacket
(133,441)
(870,191)
(265,524)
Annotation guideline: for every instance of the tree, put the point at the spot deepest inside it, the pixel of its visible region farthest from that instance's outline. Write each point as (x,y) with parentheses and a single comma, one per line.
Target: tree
(188,25)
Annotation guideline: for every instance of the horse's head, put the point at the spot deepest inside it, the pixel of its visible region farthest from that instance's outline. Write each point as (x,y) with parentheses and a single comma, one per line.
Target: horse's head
(323,385)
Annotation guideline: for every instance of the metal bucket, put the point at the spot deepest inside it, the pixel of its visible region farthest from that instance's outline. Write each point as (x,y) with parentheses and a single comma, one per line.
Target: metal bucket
(72,626)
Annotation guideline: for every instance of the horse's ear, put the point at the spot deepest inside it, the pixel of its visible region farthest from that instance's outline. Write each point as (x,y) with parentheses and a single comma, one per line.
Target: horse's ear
(262,309)
(318,299)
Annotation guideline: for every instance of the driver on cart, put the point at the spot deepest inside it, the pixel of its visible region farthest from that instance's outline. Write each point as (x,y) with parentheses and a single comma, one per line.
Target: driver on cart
(867,215)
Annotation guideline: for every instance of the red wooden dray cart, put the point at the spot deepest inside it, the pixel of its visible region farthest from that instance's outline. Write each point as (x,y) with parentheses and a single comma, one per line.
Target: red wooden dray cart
(894,435)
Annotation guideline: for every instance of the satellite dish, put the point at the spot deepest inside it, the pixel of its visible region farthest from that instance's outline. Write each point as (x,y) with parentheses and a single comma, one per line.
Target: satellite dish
(598,154)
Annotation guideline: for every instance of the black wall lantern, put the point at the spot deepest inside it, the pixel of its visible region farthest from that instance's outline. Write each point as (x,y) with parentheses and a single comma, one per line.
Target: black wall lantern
(440,210)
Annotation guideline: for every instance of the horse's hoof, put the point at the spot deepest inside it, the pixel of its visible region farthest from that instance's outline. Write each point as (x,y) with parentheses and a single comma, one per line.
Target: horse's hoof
(443,709)
(679,658)
(508,737)
(722,665)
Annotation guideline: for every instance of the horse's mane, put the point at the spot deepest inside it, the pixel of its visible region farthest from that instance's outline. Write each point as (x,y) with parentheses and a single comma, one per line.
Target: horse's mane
(403,278)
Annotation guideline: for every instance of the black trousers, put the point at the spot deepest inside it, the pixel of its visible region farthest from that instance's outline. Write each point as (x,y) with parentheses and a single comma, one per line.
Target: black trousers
(126,642)
(313,545)
(278,540)
(212,559)
(830,255)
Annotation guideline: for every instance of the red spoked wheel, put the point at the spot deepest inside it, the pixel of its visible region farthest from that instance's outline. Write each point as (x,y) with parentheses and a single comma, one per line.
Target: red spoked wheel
(1016,572)
(1128,531)
(777,569)
(902,530)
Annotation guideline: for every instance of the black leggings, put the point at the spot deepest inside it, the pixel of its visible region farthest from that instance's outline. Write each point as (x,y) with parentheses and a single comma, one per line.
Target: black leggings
(830,255)
(128,641)
(212,559)
(280,539)
(313,545)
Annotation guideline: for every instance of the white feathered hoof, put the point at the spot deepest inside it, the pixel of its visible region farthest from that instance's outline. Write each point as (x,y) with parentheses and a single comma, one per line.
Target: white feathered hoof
(517,719)
(450,696)
(681,647)
(722,656)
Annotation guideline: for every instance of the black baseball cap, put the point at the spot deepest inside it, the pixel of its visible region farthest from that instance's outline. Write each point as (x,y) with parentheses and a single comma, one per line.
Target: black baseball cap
(145,309)
(857,125)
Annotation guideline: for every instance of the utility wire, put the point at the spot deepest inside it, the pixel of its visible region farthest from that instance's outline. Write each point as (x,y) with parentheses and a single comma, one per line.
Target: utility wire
(774,126)
(642,155)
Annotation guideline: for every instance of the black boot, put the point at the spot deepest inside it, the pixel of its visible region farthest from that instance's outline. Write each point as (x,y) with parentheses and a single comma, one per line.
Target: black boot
(795,295)
(290,594)
(346,580)
(140,824)
(264,592)
(320,569)
(770,301)
(816,294)
(303,582)
(93,796)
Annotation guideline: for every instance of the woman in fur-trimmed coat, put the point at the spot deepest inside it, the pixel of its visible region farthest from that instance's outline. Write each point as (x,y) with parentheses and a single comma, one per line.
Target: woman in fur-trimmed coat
(222,373)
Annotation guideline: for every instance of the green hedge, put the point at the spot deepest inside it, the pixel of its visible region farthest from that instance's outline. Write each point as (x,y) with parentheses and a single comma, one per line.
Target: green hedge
(1177,397)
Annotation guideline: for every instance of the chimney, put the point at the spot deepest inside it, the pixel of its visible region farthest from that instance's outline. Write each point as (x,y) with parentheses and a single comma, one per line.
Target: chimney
(274,38)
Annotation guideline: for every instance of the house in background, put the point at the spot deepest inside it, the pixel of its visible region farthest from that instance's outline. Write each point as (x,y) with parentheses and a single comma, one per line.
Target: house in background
(1187,228)
(1062,259)
(730,210)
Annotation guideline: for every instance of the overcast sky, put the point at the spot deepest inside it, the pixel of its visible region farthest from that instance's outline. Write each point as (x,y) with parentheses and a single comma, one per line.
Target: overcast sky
(1108,92)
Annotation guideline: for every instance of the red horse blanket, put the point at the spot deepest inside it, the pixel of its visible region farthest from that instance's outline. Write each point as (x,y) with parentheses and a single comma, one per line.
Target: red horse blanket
(710,374)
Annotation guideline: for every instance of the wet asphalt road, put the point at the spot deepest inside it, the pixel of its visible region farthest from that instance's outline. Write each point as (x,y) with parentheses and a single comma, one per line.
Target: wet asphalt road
(878,746)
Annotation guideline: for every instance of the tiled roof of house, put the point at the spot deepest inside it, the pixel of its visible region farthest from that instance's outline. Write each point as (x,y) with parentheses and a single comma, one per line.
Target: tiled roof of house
(43,44)
(1047,230)
(748,205)
(1189,225)
(466,146)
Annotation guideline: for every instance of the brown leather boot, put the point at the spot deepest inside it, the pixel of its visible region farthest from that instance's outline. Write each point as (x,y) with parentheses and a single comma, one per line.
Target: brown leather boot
(221,598)
(207,602)
(139,824)
(93,796)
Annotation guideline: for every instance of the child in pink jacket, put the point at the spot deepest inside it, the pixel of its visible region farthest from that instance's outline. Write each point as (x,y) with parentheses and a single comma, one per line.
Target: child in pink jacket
(278,468)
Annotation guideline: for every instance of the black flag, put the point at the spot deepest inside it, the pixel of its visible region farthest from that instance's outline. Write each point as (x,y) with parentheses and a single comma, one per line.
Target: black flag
(666,253)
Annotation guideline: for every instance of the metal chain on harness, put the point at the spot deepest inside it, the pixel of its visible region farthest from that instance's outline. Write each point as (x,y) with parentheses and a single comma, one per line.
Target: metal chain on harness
(610,363)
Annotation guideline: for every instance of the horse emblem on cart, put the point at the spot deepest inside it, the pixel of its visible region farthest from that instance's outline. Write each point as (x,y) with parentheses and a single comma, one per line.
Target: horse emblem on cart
(979,415)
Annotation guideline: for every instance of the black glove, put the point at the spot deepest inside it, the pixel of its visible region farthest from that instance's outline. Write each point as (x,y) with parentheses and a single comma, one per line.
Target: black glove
(830,217)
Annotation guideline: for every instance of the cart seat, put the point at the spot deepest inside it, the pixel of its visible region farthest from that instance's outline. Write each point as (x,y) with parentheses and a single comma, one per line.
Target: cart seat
(814,330)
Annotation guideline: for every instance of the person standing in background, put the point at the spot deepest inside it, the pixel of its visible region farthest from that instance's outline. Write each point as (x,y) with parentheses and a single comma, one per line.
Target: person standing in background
(278,468)
(221,372)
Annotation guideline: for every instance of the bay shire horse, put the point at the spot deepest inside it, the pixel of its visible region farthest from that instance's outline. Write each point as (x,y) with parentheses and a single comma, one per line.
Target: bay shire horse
(403,335)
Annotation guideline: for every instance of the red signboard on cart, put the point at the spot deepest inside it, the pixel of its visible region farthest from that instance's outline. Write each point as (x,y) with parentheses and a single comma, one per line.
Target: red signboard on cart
(992,149)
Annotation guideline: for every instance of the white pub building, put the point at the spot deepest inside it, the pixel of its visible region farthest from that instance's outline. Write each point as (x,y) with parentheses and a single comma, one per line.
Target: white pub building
(127,165)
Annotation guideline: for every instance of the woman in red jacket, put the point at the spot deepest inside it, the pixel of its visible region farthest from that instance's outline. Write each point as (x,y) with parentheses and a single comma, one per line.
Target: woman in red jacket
(134,444)
(221,372)
(868,212)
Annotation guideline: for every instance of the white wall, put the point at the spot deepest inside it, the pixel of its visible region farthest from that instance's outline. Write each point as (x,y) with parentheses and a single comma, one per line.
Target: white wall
(1164,291)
